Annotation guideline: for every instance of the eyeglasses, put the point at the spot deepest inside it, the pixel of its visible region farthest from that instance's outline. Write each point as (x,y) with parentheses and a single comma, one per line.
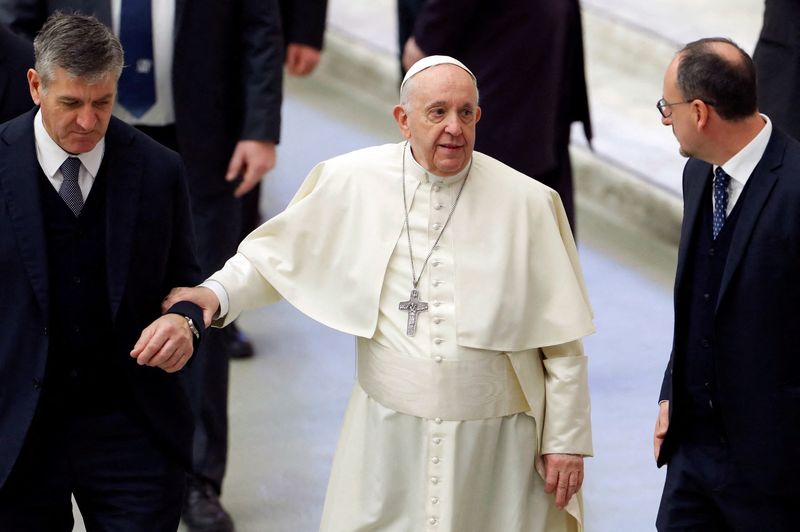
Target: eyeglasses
(664,107)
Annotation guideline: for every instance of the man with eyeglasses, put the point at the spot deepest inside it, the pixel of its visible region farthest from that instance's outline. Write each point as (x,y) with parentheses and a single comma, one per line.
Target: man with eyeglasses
(729,415)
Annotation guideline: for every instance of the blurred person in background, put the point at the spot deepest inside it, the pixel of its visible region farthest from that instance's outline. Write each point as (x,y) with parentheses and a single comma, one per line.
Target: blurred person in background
(528,57)
(16,57)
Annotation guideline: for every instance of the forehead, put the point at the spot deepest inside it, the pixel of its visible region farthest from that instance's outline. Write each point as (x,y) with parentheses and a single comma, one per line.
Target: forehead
(444,82)
(671,77)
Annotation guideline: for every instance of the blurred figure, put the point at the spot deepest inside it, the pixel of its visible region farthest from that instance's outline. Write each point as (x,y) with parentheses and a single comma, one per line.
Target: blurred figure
(16,57)
(528,57)
(471,409)
(205,79)
(303,31)
(95,227)
(777,59)
(729,413)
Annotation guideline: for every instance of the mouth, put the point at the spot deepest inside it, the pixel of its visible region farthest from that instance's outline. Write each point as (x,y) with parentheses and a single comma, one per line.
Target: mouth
(451,147)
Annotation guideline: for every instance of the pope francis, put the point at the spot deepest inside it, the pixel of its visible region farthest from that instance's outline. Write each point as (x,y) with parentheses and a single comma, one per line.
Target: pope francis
(460,279)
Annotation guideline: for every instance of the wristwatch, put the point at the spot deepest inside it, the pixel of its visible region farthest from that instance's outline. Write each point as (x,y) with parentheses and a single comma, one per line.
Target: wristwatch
(192,327)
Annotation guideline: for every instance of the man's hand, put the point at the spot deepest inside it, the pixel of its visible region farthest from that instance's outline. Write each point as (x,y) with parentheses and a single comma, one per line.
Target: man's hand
(167,343)
(251,159)
(301,59)
(411,53)
(563,473)
(201,296)
(662,423)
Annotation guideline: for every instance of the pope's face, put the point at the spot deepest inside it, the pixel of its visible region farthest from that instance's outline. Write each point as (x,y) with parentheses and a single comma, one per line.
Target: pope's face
(75,112)
(439,120)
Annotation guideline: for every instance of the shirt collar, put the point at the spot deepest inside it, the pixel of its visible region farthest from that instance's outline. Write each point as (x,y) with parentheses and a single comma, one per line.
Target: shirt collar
(424,176)
(51,156)
(741,165)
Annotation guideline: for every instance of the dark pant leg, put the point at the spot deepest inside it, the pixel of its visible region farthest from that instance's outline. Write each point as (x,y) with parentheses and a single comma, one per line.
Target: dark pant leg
(217,222)
(706,491)
(37,494)
(123,481)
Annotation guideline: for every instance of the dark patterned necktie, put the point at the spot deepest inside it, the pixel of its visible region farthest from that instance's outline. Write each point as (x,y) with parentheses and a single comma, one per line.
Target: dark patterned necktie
(721,180)
(70,191)
(137,85)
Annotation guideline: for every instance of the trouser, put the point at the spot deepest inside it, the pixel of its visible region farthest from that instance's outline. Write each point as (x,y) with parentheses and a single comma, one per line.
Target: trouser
(705,491)
(121,480)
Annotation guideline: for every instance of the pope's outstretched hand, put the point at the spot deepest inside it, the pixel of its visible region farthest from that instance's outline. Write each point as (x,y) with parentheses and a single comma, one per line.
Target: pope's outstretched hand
(201,296)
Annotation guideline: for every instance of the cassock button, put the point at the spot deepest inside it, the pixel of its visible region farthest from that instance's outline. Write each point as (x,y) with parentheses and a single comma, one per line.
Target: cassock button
(435,459)
(436,188)
(436,303)
(437,341)
(438,359)
(438,206)
(436,263)
(434,480)
(433,520)
(437,320)
(437,441)
(436,226)
(438,421)
(437,282)
(434,500)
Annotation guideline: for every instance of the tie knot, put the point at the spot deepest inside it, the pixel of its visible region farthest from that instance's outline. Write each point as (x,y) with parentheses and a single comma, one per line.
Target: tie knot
(70,168)
(721,179)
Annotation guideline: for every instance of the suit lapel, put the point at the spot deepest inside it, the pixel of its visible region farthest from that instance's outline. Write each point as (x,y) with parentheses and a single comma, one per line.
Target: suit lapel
(694,183)
(123,176)
(760,185)
(19,174)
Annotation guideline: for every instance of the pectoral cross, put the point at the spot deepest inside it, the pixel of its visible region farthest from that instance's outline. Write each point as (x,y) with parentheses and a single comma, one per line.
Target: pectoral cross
(413,306)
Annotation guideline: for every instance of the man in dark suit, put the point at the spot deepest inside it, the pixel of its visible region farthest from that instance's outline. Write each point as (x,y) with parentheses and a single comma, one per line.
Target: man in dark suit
(729,420)
(777,59)
(218,105)
(16,57)
(528,57)
(94,229)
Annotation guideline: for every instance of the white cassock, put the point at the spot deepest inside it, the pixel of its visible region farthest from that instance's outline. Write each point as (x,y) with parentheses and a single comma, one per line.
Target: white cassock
(444,430)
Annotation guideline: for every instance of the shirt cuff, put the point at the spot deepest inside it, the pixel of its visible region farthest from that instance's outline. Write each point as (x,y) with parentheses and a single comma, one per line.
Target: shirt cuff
(222,296)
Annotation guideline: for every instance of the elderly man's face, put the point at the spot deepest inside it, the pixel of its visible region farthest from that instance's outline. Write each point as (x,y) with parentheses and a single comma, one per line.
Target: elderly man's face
(440,119)
(681,112)
(75,112)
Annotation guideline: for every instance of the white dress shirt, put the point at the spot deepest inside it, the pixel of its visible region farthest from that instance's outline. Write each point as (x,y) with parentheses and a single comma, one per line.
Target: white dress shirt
(741,165)
(51,156)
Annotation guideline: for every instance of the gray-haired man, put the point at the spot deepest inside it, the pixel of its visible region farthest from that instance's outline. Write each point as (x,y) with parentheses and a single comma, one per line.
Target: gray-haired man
(94,227)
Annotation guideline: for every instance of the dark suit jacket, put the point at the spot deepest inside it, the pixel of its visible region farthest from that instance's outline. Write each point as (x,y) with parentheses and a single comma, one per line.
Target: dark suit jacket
(528,58)
(303,21)
(777,59)
(149,249)
(16,57)
(757,320)
(226,74)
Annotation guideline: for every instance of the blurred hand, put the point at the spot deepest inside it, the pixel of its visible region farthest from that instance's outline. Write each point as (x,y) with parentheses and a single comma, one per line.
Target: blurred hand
(662,423)
(203,297)
(301,59)
(411,53)
(167,343)
(251,159)
(563,475)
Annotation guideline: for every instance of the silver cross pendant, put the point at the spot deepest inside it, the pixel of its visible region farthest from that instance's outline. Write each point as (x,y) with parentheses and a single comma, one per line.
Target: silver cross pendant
(413,306)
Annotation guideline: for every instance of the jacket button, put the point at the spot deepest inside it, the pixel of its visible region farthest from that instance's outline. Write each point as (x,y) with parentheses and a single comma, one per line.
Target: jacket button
(37,384)
(44,331)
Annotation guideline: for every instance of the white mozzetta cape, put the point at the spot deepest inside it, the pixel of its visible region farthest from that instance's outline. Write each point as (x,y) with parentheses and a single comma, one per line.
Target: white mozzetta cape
(518,286)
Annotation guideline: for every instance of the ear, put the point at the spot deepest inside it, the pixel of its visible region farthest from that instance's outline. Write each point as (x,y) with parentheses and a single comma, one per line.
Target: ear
(35,86)
(401,117)
(477,114)
(700,112)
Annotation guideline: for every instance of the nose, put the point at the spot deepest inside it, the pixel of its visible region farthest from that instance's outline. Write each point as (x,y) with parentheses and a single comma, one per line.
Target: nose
(453,126)
(86,118)
(666,120)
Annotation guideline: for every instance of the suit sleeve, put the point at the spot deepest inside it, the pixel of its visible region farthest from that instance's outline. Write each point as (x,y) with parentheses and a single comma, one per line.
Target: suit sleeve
(443,25)
(262,69)
(24,17)
(304,21)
